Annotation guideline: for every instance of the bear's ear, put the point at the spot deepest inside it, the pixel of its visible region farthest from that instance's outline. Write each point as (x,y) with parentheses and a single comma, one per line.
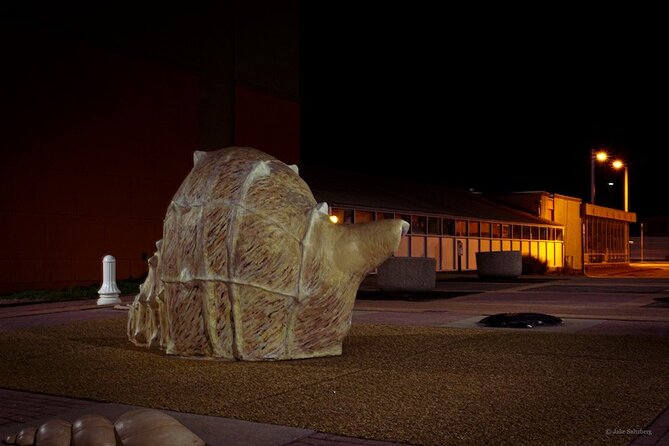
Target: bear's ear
(405,227)
(197,156)
(323,208)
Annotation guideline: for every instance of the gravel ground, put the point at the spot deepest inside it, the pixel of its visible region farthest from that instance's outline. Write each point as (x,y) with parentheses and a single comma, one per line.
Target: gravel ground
(416,385)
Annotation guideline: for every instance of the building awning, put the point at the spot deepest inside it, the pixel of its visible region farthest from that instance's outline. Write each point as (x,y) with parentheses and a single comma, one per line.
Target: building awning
(593,210)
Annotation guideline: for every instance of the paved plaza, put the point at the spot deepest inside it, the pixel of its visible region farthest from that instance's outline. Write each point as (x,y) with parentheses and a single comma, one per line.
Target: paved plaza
(600,303)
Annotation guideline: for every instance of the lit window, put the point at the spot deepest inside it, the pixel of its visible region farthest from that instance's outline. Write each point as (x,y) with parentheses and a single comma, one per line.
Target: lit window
(338,214)
(434,225)
(526,232)
(461,228)
(535,233)
(363,216)
(506,231)
(485,229)
(474,229)
(449,226)
(418,224)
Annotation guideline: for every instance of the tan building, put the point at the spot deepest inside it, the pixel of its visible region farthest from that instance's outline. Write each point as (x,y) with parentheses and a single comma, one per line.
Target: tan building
(452,225)
(557,208)
(606,234)
(592,234)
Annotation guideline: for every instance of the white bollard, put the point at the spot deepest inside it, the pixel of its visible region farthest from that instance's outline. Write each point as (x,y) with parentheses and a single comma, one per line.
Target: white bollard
(109,292)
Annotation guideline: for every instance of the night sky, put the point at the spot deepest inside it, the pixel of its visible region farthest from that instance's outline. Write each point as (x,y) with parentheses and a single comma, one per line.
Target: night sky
(476,97)
(489,100)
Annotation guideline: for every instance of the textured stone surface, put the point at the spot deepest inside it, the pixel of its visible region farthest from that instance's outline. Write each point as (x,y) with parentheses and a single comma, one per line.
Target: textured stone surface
(499,264)
(140,427)
(148,427)
(407,274)
(251,268)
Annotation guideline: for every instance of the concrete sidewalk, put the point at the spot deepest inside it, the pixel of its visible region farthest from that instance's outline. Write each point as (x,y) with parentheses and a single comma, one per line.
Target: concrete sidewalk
(622,306)
(19,409)
(604,305)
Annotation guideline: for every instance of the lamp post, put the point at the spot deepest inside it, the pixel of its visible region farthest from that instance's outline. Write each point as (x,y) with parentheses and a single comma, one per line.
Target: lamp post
(595,155)
(618,164)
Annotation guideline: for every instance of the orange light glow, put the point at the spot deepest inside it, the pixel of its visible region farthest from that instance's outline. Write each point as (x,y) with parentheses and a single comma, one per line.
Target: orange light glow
(617,164)
(334,219)
(601,156)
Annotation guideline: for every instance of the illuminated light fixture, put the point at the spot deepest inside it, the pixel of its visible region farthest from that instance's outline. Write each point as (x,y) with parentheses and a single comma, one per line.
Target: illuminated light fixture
(334,219)
(619,164)
(600,156)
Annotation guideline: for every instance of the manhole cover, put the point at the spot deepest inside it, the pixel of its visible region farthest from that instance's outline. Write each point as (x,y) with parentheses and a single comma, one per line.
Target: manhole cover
(520,320)
(660,302)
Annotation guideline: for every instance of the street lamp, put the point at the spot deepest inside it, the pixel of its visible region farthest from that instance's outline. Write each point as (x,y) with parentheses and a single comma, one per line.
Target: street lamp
(618,164)
(595,155)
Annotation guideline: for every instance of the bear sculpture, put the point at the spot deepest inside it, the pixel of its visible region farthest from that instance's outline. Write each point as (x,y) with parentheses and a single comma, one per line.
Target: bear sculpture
(250,267)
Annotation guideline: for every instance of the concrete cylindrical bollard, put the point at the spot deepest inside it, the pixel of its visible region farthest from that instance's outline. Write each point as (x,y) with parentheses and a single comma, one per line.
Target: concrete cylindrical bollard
(407,274)
(109,292)
(507,264)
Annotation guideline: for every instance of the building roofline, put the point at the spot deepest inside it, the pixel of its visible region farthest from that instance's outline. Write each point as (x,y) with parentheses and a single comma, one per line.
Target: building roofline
(352,189)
